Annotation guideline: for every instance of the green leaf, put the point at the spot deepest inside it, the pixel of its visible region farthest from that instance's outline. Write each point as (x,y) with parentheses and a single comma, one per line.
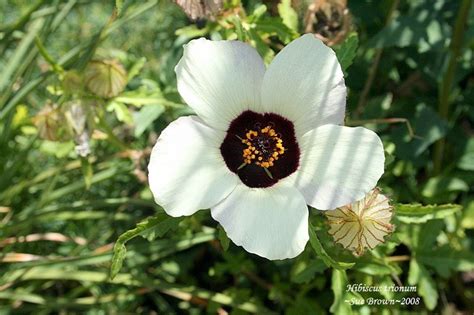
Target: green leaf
(468,215)
(428,128)
(443,184)
(275,26)
(222,236)
(373,268)
(417,213)
(418,275)
(143,228)
(466,162)
(120,251)
(266,52)
(347,51)
(239,29)
(304,272)
(288,15)
(257,13)
(145,117)
(446,260)
(121,111)
(403,31)
(321,252)
(338,285)
(136,68)
(87,172)
(428,233)
(166,224)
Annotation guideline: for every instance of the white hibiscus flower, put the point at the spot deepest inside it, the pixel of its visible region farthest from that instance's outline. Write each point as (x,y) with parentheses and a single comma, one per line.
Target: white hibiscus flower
(264,144)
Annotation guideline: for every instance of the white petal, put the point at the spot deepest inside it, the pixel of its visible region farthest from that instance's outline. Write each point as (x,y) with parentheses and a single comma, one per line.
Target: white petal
(220,79)
(186,169)
(338,165)
(270,222)
(305,84)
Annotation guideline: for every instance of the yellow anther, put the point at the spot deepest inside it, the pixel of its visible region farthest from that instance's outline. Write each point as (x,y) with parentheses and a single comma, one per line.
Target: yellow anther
(265,157)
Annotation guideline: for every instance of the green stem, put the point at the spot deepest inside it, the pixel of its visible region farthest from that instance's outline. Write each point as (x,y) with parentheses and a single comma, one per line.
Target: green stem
(110,134)
(448,78)
(42,50)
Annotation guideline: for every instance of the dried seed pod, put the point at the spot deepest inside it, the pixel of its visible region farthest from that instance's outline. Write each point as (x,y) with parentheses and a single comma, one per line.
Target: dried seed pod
(50,123)
(200,9)
(329,20)
(362,224)
(77,117)
(105,78)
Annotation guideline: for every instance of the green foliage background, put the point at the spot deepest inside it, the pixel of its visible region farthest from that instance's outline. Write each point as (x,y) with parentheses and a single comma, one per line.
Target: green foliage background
(409,70)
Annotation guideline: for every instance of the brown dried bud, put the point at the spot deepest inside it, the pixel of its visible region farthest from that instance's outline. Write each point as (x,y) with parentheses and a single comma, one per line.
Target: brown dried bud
(329,20)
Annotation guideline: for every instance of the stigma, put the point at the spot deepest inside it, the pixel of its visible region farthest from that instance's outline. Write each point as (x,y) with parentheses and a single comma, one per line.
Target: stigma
(262,146)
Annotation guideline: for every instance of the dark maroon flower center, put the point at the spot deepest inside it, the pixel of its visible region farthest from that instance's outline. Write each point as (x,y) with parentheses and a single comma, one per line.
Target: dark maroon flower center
(261,148)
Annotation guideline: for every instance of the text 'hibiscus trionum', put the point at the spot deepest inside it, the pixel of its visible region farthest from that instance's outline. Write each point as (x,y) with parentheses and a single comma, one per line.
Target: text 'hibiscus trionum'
(264,144)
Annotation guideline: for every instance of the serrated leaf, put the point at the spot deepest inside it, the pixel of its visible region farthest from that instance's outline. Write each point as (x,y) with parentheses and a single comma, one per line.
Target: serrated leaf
(141,229)
(159,230)
(321,252)
(120,251)
(304,272)
(417,213)
(288,15)
(347,51)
